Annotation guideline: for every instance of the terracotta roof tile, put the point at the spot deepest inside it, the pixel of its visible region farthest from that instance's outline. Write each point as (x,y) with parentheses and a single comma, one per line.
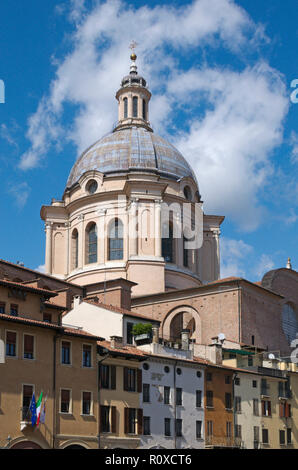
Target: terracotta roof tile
(124,349)
(6,282)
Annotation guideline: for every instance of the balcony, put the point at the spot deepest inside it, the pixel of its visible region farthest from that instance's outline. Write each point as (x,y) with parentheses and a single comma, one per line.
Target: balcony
(223,442)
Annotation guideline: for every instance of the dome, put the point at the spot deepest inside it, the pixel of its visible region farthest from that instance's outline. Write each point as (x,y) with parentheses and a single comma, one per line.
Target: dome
(131,149)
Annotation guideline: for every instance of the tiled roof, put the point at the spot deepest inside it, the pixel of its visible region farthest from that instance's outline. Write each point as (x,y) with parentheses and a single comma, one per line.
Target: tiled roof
(131,350)
(115,309)
(6,282)
(52,326)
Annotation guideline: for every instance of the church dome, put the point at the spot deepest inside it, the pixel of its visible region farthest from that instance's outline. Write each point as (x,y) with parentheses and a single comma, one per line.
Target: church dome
(131,149)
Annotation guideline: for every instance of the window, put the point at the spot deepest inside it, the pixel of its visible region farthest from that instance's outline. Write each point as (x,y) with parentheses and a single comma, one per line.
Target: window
(105,418)
(227,379)
(199,374)
(168,243)
(75,249)
(87,355)
(209,399)
(198,429)
(256,407)
(131,420)
(108,376)
(91,244)
(228,429)
(252,340)
(65,352)
(265,436)
(47,318)
(250,361)
(146,425)
(289,436)
(209,428)
(238,431)
(185,253)
(238,404)
(125,101)
(166,396)
(209,377)
(199,398)
(129,335)
(187,193)
(92,187)
(116,240)
(179,427)
(264,387)
(237,381)
(179,371)
(28,347)
(167,369)
(11,344)
(2,307)
(289,322)
(135,106)
(146,393)
(27,396)
(167,426)
(228,401)
(14,310)
(179,396)
(254,384)
(65,401)
(86,408)
(132,380)
(266,408)
(284,409)
(144,109)
(282,437)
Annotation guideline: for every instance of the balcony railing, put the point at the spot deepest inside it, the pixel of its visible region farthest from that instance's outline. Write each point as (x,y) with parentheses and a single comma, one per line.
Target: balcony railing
(214,441)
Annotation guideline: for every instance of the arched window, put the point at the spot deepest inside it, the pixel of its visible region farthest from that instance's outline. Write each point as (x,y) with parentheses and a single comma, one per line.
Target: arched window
(135,106)
(289,322)
(187,193)
(75,249)
(168,243)
(125,107)
(91,246)
(116,240)
(144,109)
(185,253)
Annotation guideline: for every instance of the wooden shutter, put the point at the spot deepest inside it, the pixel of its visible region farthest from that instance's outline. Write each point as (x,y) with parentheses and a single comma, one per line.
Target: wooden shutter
(11,337)
(269,408)
(113,377)
(263,407)
(287,410)
(139,381)
(126,418)
(113,428)
(140,420)
(29,343)
(125,378)
(281,410)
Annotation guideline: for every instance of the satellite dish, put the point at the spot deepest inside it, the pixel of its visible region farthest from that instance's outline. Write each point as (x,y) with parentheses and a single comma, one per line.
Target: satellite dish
(271,356)
(221,337)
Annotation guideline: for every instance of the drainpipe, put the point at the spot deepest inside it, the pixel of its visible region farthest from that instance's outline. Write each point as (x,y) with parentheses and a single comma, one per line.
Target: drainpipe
(54,388)
(98,393)
(175,407)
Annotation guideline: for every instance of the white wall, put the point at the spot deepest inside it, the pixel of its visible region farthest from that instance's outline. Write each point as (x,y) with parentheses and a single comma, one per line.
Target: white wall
(246,418)
(157,410)
(95,320)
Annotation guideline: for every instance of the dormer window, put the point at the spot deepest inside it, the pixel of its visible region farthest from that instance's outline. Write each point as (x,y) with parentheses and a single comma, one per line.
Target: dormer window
(135,106)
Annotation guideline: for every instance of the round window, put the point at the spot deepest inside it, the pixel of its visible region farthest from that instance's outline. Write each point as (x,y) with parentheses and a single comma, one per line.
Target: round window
(167,369)
(199,374)
(179,371)
(145,366)
(92,187)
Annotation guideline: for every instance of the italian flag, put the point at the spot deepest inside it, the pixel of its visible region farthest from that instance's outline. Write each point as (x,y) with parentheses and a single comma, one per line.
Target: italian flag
(38,409)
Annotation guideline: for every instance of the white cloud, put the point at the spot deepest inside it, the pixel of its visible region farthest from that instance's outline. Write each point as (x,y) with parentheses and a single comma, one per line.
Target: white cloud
(229,146)
(20,193)
(234,254)
(265,264)
(294,143)
(7,134)
(41,268)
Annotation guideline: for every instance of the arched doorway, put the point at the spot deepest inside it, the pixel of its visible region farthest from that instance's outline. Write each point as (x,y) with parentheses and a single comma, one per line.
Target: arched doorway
(25,445)
(180,318)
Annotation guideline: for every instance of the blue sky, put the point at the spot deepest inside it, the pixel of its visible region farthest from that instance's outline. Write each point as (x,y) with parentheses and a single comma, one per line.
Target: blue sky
(220,72)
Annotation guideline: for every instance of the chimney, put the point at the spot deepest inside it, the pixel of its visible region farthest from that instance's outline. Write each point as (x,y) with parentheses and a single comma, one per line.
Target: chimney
(155,334)
(215,351)
(185,339)
(77,300)
(116,342)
